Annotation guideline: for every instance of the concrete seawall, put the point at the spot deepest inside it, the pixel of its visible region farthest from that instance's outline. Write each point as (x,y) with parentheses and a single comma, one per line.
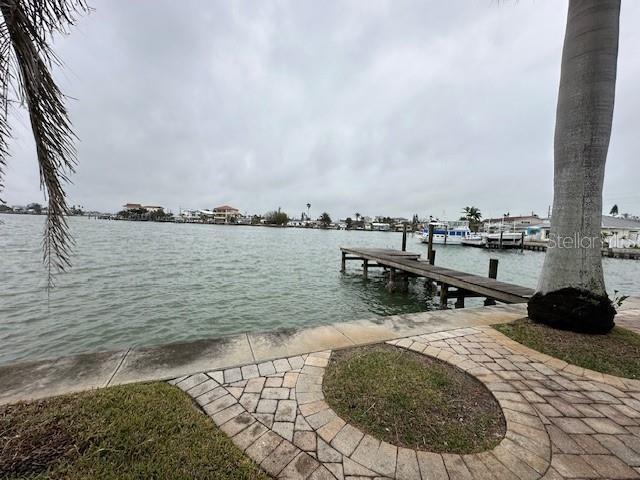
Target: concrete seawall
(33,380)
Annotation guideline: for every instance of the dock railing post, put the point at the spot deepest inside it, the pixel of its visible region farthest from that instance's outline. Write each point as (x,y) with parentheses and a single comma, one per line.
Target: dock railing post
(432,257)
(344,262)
(404,237)
(493,273)
(430,243)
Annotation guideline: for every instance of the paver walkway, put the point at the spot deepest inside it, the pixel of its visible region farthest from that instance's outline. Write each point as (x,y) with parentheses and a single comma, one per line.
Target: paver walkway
(562,421)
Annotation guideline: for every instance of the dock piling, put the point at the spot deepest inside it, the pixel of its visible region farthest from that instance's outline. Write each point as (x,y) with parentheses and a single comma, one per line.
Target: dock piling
(522,243)
(493,273)
(444,291)
(404,237)
(500,243)
(493,268)
(460,299)
(430,288)
(430,252)
(365,268)
(391,282)
(344,262)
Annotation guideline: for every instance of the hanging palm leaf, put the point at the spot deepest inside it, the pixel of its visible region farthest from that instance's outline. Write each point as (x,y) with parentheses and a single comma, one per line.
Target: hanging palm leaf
(26,60)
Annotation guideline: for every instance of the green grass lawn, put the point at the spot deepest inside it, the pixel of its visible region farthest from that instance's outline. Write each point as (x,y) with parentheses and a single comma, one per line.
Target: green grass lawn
(139,431)
(617,353)
(413,401)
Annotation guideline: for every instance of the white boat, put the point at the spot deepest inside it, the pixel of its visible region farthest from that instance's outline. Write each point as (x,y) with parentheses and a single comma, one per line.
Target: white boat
(446,233)
(504,240)
(492,240)
(475,240)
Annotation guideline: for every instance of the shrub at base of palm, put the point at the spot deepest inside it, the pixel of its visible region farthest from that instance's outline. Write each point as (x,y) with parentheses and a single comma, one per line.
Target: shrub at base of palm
(573,309)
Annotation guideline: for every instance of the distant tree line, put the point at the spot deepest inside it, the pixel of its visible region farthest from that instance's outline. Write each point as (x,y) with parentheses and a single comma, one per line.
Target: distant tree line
(144,214)
(276,217)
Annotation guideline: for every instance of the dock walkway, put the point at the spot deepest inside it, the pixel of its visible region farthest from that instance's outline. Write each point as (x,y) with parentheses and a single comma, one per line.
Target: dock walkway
(466,284)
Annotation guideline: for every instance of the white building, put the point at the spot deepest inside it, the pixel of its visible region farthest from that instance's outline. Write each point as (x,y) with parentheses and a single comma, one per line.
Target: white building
(138,206)
(153,208)
(617,232)
(190,215)
(620,232)
(379,226)
(131,206)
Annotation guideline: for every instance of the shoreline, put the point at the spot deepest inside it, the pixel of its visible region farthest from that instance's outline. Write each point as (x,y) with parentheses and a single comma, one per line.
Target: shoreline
(26,381)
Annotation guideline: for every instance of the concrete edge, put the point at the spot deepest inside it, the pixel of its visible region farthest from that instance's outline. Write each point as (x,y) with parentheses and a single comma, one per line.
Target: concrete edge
(35,380)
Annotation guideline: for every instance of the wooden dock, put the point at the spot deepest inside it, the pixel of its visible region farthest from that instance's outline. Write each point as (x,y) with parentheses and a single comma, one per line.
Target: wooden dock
(401,264)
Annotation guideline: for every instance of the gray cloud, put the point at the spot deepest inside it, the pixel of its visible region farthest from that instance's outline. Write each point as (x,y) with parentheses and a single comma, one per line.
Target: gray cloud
(380,107)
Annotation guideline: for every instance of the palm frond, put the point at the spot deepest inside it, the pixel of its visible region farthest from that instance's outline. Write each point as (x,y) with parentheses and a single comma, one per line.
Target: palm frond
(28,29)
(5,130)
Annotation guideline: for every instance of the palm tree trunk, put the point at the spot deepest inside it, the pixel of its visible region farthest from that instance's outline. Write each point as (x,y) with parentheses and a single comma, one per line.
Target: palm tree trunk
(571,291)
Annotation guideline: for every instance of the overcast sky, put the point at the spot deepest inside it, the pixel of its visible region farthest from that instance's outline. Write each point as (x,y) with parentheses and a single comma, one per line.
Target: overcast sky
(377,107)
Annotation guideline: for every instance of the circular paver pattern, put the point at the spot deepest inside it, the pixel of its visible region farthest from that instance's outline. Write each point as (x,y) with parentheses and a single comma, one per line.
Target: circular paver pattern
(562,421)
(369,456)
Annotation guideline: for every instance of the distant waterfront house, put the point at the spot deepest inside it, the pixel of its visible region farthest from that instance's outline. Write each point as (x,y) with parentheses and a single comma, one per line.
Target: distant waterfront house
(153,208)
(206,215)
(620,232)
(138,206)
(190,216)
(617,232)
(516,224)
(294,222)
(382,227)
(131,206)
(399,226)
(225,214)
(539,232)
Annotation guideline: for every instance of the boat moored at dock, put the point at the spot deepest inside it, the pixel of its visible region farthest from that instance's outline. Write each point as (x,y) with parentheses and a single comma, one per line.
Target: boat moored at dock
(504,240)
(446,233)
(475,240)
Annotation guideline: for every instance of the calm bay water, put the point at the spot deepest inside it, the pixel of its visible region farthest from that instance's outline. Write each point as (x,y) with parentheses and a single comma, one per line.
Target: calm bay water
(138,283)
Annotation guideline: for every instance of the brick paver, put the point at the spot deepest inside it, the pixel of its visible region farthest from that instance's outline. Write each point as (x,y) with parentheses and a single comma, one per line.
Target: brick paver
(562,421)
